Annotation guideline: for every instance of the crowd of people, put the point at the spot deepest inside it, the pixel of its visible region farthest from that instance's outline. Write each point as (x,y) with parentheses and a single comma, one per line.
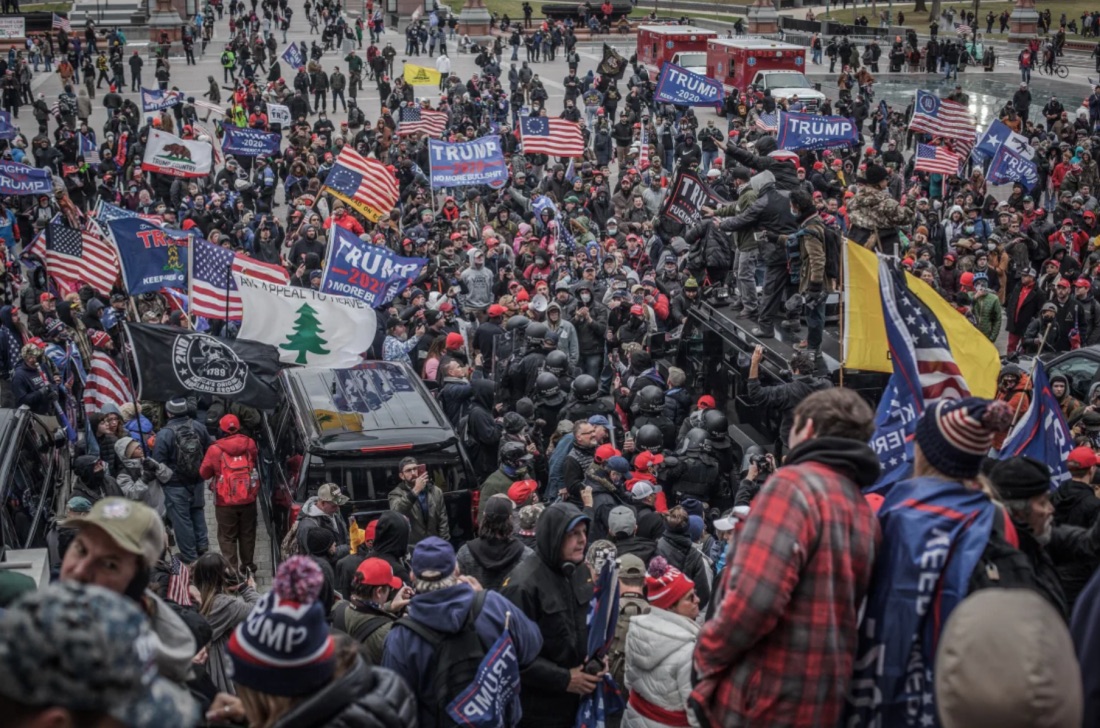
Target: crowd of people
(544,323)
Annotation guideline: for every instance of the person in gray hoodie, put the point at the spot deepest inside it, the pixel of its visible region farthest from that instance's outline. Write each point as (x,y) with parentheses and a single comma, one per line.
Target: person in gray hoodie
(567,335)
(141,478)
(477,283)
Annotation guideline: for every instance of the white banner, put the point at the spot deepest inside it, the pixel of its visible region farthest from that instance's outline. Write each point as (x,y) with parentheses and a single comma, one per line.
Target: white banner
(168,154)
(13,27)
(308,328)
(278,114)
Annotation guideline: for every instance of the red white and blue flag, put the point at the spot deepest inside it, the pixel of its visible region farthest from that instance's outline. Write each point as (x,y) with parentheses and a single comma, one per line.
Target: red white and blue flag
(1042,432)
(105,384)
(213,290)
(364,183)
(414,120)
(944,118)
(555,137)
(937,160)
(60,22)
(767,122)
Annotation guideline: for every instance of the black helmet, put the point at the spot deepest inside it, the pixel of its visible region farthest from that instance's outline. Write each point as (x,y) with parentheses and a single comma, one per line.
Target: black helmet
(649,437)
(585,387)
(512,452)
(513,423)
(547,388)
(557,362)
(651,400)
(695,441)
(517,323)
(537,331)
(716,424)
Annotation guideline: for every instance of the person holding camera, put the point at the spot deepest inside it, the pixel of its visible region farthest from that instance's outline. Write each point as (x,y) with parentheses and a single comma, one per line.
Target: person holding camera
(421,501)
(761,465)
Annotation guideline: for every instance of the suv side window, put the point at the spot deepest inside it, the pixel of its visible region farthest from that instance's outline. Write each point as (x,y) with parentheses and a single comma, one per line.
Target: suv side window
(1081,372)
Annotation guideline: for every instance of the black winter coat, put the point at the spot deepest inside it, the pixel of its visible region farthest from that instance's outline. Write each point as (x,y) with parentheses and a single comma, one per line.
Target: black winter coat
(785,397)
(786,176)
(710,247)
(771,212)
(28,388)
(483,429)
(677,549)
(363,697)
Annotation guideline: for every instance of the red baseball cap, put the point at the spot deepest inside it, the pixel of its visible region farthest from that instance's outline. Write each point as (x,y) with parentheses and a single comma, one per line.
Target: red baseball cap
(446,307)
(605,453)
(1082,458)
(1083,283)
(1067,221)
(47,296)
(370,531)
(1063,283)
(454,341)
(645,458)
(521,490)
(637,310)
(706,401)
(497,310)
(378,572)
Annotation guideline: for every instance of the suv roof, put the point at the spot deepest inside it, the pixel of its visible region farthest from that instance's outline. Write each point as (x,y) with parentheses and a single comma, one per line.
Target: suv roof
(377,406)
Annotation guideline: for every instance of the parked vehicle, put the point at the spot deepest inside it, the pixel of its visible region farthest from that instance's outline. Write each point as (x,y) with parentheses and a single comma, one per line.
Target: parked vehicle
(764,64)
(683,45)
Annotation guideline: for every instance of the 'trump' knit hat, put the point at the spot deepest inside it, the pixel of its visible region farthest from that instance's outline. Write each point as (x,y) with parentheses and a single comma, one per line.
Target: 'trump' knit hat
(665,584)
(284,646)
(956,434)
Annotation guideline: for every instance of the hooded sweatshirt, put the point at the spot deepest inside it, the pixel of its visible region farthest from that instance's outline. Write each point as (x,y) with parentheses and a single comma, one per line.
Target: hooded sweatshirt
(313,517)
(490,560)
(477,285)
(137,483)
(554,595)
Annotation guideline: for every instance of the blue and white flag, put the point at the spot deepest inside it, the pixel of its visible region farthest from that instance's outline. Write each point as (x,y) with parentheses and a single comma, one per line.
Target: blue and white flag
(1008,166)
(997,135)
(8,130)
(603,616)
(153,99)
(677,85)
(490,699)
(570,172)
(1042,433)
(813,131)
(460,164)
(244,142)
(368,272)
(88,150)
(19,179)
(152,257)
(293,56)
(895,426)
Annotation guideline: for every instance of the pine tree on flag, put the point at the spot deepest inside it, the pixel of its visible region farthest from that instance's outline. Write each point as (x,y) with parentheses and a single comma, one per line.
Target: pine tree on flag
(307,335)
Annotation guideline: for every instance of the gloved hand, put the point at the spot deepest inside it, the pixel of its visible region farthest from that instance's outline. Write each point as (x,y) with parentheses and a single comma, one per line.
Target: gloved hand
(771,235)
(813,299)
(149,464)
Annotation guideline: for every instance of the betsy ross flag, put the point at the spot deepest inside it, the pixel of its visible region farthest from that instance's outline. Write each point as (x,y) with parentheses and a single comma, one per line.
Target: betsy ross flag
(767,122)
(364,183)
(74,256)
(943,118)
(212,280)
(555,137)
(938,160)
(415,119)
(61,23)
(105,385)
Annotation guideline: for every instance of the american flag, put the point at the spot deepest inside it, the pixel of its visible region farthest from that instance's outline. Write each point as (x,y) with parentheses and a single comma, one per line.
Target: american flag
(415,119)
(61,23)
(643,149)
(364,183)
(73,256)
(105,385)
(211,282)
(179,583)
(943,118)
(556,137)
(88,150)
(767,122)
(917,341)
(938,160)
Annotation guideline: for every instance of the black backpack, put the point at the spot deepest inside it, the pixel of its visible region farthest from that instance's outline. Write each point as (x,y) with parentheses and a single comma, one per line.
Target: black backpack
(189,453)
(1002,565)
(456,658)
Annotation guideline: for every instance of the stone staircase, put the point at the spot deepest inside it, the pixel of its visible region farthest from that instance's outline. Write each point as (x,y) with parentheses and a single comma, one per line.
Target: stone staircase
(108,15)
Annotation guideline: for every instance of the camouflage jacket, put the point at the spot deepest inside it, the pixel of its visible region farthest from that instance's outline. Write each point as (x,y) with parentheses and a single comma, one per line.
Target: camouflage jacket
(875,209)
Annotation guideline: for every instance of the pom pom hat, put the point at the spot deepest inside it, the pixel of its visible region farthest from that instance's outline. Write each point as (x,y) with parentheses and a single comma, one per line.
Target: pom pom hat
(956,434)
(665,585)
(284,646)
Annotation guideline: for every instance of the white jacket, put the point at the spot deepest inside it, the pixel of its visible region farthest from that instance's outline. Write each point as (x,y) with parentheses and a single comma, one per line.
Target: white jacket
(659,647)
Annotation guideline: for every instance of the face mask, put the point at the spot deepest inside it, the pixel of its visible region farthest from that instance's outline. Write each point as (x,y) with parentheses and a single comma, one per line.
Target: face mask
(585,297)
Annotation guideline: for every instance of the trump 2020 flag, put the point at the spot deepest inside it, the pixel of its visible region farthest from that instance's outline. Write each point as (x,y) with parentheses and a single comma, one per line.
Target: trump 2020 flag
(368,272)
(456,164)
(677,85)
(1008,166)
(812,131)
(490,699)
(895,425)
(603,616)
(152,257)
(293,56)
(8,130)
(250,142)
(153,99)
(1042,432)
(309,328)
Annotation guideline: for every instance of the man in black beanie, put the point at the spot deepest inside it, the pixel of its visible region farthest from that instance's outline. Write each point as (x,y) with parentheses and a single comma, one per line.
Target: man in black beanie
(1024,486)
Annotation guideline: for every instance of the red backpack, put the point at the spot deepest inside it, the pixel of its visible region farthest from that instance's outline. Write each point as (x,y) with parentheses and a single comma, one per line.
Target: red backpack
(238,481)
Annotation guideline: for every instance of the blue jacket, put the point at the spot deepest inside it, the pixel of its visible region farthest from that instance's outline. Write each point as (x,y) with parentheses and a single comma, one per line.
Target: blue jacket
(557,468)
(28,388)
(411,657)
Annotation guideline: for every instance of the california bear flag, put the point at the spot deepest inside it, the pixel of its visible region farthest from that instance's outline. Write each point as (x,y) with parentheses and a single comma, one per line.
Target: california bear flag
(308,328)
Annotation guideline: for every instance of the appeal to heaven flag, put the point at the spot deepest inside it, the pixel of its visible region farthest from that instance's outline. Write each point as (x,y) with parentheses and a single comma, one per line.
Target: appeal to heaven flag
(421,76)
(307,327)
(865,343)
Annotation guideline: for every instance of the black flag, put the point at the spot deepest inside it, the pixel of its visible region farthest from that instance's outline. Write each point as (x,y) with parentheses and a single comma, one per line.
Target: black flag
(174,362)
(613,64)
(688,196)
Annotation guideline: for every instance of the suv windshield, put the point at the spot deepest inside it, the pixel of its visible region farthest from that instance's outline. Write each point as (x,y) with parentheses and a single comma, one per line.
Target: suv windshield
(792,79)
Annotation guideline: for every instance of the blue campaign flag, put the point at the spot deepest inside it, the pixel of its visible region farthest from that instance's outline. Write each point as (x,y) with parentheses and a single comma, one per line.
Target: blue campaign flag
(477,162)
(7,129)
(153,99)
(813,131)
(491,698)
(603,615)
(677,85)
(88,150)
(1042,432)
(1008,166)
(933,534)
(19,179)
(293,56)
(997,135)
(895,426)
(250,142)
(152,257)
(571,170)
(368,272)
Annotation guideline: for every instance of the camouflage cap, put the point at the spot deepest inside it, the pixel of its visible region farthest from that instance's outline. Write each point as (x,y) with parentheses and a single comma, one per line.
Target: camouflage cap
(85,648)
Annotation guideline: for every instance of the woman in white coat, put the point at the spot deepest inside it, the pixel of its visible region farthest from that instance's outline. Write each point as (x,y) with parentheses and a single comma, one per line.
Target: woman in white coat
(659,646)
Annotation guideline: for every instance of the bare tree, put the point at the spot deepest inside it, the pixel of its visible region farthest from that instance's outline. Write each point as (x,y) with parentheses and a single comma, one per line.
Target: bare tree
(934,13)
(920,8)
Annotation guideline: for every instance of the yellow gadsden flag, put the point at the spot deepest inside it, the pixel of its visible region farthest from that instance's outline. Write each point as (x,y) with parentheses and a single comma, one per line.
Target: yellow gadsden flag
(865,345)
(421,76)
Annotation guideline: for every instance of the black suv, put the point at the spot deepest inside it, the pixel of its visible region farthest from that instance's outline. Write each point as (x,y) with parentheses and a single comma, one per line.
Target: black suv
(34,469)
(352,427)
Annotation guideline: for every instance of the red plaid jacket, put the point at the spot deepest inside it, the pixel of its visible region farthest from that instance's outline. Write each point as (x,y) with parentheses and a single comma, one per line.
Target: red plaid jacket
(779,650)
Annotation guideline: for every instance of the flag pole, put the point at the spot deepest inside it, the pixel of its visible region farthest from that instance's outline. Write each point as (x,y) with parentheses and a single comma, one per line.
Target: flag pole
(133,389)
(190,273)
(1042,343)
